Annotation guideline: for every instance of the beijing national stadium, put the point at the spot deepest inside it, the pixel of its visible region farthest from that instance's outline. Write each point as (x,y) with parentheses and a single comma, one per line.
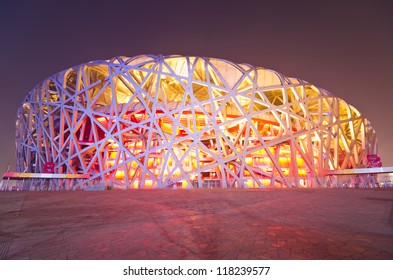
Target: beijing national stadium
(161,121)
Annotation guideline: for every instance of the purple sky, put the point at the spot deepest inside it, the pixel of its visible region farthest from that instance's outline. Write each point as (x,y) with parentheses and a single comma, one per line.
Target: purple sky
(345,48)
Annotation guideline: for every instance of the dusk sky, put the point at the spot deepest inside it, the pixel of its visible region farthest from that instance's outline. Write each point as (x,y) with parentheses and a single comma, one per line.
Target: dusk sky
(345,48)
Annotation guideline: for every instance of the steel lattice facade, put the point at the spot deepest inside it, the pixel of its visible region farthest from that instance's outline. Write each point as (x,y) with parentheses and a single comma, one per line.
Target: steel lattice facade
(158,121)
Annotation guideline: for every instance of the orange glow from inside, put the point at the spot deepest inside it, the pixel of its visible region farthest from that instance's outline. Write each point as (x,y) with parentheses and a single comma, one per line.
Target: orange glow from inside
(262,159)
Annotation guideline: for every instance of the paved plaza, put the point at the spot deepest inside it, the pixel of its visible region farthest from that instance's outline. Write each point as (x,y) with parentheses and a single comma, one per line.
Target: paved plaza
(198,224)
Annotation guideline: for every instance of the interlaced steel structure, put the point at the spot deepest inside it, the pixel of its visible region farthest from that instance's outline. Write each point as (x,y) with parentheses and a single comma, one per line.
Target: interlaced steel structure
(162,121)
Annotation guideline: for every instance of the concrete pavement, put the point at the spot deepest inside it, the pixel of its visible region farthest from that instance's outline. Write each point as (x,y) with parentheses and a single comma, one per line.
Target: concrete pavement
(198,224)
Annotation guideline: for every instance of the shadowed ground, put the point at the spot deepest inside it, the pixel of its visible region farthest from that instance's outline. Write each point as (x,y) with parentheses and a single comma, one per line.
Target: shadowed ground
(198,224)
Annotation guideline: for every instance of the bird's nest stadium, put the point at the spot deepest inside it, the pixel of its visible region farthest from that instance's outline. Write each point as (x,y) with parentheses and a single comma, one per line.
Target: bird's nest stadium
(161,121)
